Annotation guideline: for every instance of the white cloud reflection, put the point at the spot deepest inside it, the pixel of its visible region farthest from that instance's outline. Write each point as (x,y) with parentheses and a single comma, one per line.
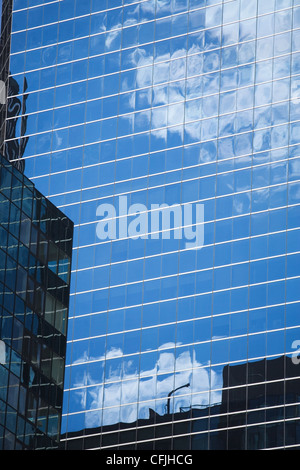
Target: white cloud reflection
(129,399)
(166,100)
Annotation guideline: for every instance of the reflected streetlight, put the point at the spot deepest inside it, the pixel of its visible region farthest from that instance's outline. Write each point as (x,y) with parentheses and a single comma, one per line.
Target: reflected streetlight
(169,395)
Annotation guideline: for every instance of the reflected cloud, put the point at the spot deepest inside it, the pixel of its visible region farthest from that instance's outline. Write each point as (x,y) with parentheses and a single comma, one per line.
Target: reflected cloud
(240,207)
(131,398)
(132,16)
(139,57)
(110,37)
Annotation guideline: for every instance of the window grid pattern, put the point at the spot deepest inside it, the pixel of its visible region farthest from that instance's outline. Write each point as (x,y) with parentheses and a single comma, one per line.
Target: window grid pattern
(176,102)
(34,279)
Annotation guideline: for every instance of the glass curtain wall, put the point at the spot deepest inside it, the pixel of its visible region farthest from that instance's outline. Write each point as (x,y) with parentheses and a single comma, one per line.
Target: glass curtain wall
(35,253)
(193,105)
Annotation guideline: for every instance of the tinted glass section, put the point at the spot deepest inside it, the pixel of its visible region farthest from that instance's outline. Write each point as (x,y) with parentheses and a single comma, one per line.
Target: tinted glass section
(35,260)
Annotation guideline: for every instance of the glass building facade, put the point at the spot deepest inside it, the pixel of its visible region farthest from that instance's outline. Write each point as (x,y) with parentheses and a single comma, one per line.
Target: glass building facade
(176,107)
(35,254)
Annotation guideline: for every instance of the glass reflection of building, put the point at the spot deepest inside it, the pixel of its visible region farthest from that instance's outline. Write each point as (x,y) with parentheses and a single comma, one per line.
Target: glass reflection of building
(256,398)
(175,102)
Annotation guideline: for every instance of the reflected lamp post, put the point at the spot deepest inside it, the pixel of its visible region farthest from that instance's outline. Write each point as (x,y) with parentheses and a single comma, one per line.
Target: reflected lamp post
(173,391)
